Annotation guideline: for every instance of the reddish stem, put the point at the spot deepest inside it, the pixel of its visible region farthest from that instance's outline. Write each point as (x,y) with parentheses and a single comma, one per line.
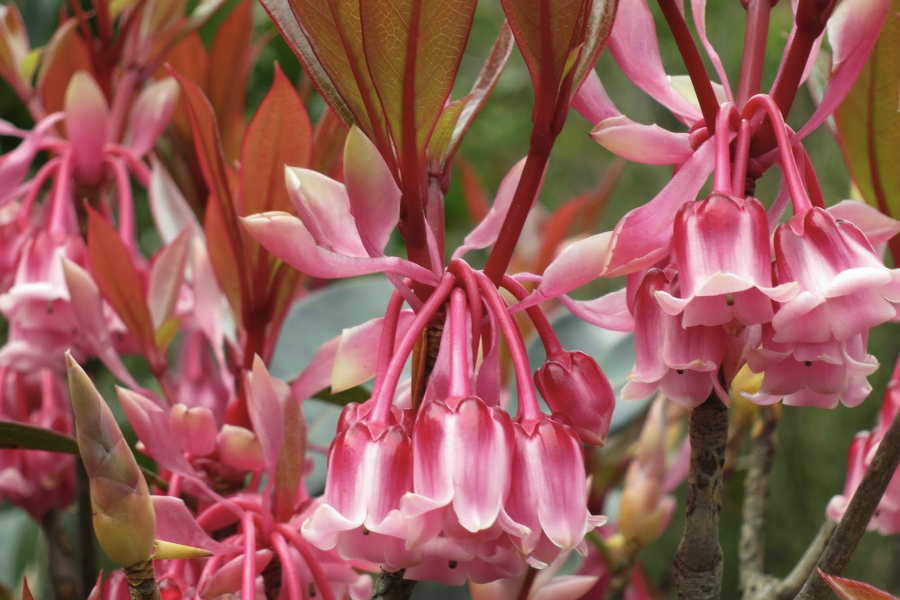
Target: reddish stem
(388,334)
(383,396)
(459,355)
(287,564)
(552,346)
(754,58)
(523,199)
(529,409)
(812,181)
(741,159)
(315,568)
(727,118)
(248,578)
(789,163)
(709,105)
(809,25)
(462,270)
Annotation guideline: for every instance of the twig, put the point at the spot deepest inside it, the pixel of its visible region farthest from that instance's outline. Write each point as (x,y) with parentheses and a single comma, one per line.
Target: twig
(752,550)
(790,587)
(88,556)
(698,562)
(859,512)
(63,566)
(142,582)
(392,586)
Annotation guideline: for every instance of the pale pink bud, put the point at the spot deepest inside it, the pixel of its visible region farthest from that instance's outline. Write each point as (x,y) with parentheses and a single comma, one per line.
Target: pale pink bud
(195,429)
(240,448)
(124,519)
(573,384)
(87,122)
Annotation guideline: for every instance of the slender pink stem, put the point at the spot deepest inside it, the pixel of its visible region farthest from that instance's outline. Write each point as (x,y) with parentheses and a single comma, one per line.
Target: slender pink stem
(35,185)
(211,566)
(552,346)
(59,220)
(303,547)
(122,103)
(459,355)
(134,162)
(388,334)
(248,581)
(126,204)
(791,172)
(529,409)
(812,181)
(725,120)
(289,570)
(741,158)
(174,489)
(383,397)
(462,270)
(754,57)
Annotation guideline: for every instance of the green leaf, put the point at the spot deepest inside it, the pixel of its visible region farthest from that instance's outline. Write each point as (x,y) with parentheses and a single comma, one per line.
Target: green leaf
(413,49)
(868,123)
(29,437)
(457,117)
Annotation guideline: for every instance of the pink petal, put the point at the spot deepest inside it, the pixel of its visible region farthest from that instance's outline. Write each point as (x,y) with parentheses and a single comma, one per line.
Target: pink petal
(324,207)
(176,524)
(166,277)
(195,429)
(14,165)
(87,123)
(567,587)
(373,194)
(644,235)
(487,231)
(357,352)
(647,144)
(318,374)
(151,424)
(228,578)
(87,306)
(171,212)
(287,237)
(579,263)
(635,47)
(877,227)
(592,101)
(266,413)
(609,311)
(852,32)
(150,114)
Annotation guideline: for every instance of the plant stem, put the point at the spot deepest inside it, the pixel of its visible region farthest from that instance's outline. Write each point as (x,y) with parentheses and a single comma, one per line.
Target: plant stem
(698,561)
(709,105)
(754,57)
(751,552)
(527,190)
(859,512)
(61,556)
(392,586)
(142,582)
(88,555)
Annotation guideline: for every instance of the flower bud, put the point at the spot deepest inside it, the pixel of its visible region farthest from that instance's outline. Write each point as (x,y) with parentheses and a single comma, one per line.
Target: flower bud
(124,519)
(573,384)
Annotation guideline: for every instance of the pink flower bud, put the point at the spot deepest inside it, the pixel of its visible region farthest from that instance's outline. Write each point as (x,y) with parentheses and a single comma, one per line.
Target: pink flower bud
(124,519)
(573,384)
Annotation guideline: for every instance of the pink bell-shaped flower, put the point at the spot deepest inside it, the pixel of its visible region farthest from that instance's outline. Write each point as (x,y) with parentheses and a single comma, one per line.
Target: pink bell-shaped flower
(724,265)
(845,289)
(549,490)
(369,470)
(461,455)
(681,361)
(573,384)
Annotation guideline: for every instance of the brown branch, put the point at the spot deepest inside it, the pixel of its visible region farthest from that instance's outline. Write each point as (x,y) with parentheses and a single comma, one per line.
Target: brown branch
(859,512)
(752,549)
(63,566)
(698,562)
(142,582)
(392,586)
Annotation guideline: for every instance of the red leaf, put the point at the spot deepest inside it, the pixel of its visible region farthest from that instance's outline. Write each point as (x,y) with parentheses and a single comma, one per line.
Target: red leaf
(223,256)
(280,134)
(118,279)
(474,194)
(328,145)
(854,590)
(66,53)
(26,593)
(229,71)
(560,42)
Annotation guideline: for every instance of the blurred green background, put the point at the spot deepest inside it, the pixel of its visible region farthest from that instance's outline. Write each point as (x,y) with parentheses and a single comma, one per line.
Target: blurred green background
(811,459)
